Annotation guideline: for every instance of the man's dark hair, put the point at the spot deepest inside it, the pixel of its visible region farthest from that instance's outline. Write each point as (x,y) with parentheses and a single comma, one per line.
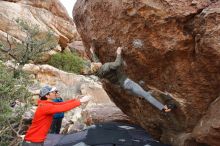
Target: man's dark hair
(43,98)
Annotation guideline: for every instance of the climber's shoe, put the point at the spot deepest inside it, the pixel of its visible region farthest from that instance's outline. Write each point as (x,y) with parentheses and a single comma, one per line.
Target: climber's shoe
(171,106)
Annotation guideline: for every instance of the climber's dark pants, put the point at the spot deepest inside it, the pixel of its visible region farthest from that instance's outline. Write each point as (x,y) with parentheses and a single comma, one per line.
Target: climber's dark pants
(56,125)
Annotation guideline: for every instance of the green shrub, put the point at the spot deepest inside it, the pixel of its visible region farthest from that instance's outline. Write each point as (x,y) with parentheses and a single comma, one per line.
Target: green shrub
(69,62)
(11,90)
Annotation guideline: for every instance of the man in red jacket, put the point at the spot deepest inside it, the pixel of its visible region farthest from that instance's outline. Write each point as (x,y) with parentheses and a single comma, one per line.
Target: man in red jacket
(43,116)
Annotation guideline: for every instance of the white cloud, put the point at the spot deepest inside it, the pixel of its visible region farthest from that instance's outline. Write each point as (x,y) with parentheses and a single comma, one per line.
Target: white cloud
(68,4)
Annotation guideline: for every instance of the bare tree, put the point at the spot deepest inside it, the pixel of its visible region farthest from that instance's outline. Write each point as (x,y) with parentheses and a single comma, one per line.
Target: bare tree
(32,46)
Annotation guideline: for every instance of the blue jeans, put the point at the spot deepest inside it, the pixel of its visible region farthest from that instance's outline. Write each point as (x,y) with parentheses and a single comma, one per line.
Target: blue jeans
(137,90)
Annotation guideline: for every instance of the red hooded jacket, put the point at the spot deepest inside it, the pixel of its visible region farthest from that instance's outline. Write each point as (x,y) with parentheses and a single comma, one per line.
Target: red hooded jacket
(43,117)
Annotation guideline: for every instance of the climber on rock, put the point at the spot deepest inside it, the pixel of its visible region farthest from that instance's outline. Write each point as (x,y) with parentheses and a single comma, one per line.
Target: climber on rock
(112,71)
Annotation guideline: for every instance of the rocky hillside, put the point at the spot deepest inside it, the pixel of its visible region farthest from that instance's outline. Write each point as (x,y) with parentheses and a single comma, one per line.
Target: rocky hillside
(172,46)
(47,15)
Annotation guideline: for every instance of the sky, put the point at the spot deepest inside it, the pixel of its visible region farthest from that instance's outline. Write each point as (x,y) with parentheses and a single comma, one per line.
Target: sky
(69,5)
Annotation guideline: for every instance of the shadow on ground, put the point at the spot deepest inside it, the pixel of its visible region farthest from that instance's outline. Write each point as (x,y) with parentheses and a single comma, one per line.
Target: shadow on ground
(105,134)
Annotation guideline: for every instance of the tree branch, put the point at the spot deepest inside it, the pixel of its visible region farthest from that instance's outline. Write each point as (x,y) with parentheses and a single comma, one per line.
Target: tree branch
(12,128)
(11,55)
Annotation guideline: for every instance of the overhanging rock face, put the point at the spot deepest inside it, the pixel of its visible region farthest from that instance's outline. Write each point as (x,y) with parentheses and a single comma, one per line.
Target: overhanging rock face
(170,45)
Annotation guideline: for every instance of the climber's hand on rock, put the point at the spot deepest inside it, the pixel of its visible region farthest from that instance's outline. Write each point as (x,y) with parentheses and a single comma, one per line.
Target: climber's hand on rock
(119,49)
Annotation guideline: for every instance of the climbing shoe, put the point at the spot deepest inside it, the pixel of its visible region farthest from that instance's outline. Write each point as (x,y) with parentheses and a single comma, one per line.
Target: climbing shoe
(171,106)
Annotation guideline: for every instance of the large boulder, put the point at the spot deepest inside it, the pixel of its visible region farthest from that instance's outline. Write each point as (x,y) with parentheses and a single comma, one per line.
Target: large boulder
(48,15)
(170,45)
